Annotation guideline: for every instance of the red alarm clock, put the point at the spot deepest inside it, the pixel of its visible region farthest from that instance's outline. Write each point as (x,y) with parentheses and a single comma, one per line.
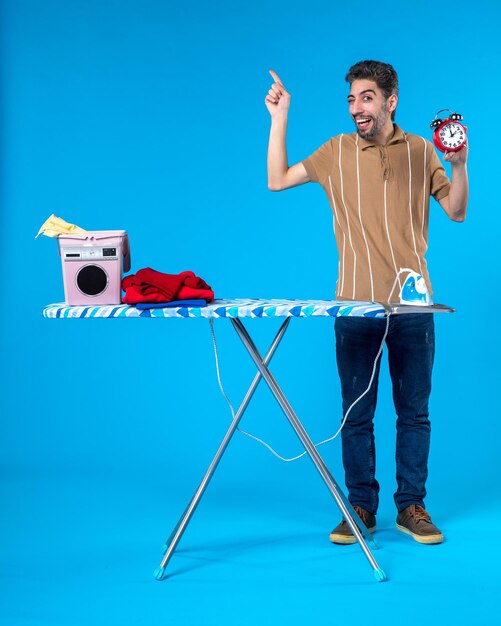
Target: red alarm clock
(448,134)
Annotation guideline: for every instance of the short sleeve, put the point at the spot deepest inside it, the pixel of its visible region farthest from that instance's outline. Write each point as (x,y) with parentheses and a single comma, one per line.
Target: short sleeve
(318,166)
(439,183)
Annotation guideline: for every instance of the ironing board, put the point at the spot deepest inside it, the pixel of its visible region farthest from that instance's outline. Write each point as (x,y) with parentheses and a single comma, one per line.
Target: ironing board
(236,310)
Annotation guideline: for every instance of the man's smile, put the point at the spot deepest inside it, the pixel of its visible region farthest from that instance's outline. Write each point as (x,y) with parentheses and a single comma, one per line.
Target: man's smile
(363,121)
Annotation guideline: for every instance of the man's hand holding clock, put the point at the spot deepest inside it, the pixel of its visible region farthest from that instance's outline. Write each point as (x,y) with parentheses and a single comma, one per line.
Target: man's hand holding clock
(457,157)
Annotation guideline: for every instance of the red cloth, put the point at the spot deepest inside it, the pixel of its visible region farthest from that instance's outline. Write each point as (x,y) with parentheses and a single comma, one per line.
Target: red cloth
(148,285)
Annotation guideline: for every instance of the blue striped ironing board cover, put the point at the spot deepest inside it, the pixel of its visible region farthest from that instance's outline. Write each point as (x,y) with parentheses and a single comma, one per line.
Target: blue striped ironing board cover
(238,308)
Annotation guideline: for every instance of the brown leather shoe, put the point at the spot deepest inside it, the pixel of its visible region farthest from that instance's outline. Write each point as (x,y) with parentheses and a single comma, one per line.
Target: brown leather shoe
(416,522)
(342,533)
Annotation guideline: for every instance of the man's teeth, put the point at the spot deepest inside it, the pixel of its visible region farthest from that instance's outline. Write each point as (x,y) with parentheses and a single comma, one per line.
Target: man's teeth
(363,120)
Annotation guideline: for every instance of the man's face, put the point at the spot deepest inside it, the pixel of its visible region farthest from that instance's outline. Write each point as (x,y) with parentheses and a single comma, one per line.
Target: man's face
(368,108)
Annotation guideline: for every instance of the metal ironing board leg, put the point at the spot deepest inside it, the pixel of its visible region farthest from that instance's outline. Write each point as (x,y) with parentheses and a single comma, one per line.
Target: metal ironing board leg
(177,533)
(354,522)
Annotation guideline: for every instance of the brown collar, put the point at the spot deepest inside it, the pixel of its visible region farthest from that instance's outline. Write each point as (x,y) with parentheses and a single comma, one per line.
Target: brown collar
(397,137)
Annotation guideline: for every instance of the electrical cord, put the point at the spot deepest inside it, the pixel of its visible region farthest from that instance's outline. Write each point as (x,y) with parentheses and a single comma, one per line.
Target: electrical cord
(320,443)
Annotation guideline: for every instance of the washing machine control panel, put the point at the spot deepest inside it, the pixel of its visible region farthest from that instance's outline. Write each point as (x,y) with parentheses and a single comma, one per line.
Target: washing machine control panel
(89,253)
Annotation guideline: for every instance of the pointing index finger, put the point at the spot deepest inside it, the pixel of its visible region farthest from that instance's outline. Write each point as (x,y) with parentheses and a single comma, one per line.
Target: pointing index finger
(275,77)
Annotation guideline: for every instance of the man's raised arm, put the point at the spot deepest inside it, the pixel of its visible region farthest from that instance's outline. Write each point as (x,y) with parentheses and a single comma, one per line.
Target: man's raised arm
(280,175)
(455,203)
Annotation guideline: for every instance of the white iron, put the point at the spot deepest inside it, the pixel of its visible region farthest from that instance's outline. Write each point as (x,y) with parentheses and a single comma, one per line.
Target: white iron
(414,290)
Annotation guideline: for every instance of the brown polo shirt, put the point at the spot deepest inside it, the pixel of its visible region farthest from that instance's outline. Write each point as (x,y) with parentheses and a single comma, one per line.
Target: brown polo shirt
(380,197)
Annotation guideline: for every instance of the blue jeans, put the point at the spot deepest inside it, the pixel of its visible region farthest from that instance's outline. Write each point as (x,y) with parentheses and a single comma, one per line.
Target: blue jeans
(411,348)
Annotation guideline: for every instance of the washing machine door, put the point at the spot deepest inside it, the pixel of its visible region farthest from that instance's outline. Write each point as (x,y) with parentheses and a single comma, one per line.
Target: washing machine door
(91,280)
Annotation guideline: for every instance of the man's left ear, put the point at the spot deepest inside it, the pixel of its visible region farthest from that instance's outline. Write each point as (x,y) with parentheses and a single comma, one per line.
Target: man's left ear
(393,102)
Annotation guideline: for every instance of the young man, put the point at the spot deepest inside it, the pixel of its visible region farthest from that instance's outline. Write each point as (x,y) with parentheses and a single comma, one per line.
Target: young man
(378,180)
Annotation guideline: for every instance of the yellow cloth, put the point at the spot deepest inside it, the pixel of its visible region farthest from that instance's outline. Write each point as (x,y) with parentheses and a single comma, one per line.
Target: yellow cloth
(54,226)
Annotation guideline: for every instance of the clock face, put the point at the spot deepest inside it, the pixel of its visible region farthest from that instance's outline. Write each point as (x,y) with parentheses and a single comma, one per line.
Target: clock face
(452,135)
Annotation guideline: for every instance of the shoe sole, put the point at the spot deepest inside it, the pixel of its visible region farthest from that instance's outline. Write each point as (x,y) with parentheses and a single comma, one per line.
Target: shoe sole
(346,539)
(427,539)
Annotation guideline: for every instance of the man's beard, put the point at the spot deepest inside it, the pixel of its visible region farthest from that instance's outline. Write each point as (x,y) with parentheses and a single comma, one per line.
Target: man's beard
(377,124)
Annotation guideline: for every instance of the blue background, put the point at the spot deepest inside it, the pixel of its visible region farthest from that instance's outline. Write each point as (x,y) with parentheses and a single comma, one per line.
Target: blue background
(149,116)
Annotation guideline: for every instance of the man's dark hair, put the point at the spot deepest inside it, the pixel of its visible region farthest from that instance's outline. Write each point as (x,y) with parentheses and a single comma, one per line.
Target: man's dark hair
(382,74)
